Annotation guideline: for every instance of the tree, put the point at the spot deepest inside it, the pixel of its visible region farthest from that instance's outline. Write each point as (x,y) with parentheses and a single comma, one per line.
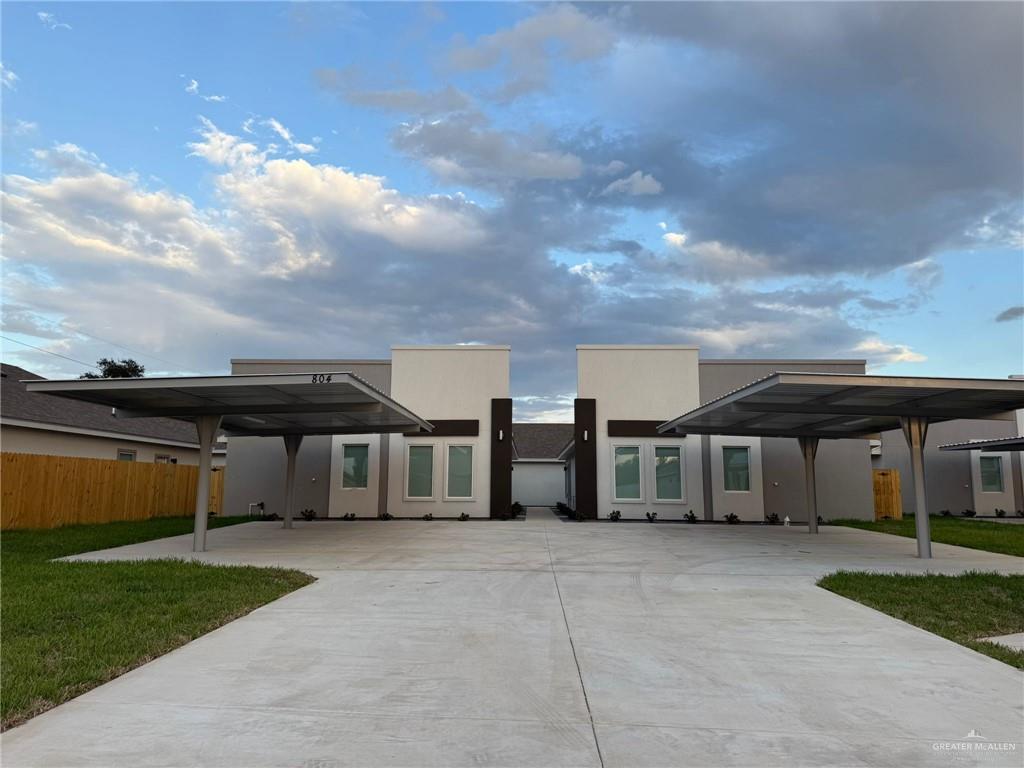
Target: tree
(116,369)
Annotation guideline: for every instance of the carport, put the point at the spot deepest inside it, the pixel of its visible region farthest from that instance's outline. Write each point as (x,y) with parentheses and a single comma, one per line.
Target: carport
(815,406)
(289,405)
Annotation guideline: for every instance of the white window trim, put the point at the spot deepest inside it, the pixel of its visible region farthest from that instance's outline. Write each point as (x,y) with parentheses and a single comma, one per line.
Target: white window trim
(132,451)
(750,470)
(640,459)
(433,473)
(368,473)
(682,473)
(472,471)
(1002,475)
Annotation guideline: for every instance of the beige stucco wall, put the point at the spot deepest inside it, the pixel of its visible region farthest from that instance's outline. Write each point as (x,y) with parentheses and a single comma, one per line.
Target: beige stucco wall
(642,382)
(446,382)
(52,443)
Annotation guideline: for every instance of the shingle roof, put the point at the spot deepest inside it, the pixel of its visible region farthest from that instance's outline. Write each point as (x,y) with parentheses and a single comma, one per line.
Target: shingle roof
(17,403)
(539,441)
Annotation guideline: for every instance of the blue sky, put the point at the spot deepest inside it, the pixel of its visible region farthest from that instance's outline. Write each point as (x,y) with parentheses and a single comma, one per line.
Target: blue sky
(772,180)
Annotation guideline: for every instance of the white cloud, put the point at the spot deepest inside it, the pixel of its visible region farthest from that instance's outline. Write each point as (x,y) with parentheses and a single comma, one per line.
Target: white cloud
(636,184)
(880,352)
(675,239)
(193,88)
(22,127)
(8,77)
(247,124)
(50,21)
(302,148)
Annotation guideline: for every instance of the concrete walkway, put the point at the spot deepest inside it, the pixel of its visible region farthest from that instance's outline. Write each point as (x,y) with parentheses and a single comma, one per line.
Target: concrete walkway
(546,643)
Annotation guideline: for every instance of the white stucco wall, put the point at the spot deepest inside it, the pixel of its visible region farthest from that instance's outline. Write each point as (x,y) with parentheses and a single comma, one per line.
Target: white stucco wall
(538,484)
(641,382)
(53,443)
(985,502)
(362,502)
(747,505)
(446,382)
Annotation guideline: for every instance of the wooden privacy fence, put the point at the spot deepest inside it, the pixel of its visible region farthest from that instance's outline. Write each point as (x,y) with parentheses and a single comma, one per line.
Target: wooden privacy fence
(52,491)
(888,502)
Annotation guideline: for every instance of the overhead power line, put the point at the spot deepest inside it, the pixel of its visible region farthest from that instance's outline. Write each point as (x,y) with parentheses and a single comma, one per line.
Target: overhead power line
(49,352)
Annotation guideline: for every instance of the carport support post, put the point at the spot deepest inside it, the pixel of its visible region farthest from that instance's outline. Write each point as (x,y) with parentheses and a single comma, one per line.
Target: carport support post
(207,427)
(915,429)
(809,448)
(291,446)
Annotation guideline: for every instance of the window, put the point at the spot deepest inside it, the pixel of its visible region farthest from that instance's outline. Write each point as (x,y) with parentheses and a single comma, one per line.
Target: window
(668,473)
(420,468)
(736,468)
(123,454)
(161,458)
(991,474)
(627,472)
(460,472)
(355,466)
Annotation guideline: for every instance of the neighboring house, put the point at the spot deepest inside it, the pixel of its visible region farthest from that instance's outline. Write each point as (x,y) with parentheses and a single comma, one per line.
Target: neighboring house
(619,462)
(57,426)
(959,480)
(462,467)
(538,472)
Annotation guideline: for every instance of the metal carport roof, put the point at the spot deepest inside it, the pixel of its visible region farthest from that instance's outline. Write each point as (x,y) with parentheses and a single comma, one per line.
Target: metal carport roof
(289,405)
(811,406)
(993,445)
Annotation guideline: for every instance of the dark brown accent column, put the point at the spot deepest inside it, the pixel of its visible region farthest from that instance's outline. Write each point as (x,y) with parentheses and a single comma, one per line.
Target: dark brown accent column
(585,436)
(501,456)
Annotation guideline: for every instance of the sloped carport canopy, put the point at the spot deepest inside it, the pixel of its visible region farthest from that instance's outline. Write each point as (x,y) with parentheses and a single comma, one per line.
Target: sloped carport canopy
(289,405)
(811,406)
(993,445)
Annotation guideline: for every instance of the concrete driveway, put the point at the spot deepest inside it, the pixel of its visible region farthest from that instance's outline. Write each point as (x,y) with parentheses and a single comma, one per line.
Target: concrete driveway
(543,643)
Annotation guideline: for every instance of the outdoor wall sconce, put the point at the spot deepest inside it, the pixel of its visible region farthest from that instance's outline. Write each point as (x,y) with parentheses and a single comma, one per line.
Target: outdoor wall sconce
(586,433)
(501,435)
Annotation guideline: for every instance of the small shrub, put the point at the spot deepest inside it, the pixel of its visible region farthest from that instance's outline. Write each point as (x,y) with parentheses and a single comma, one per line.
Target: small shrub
(1000,513)
(308,514)
(349,516)
(463,517)
(772,519)
(576,515)
(652,516)
(945,513)
(562,507)
(614,515)
(732,518)
(690,517)
(386,516)
(428,516)
(516,509)
(968,513)
(1020,513)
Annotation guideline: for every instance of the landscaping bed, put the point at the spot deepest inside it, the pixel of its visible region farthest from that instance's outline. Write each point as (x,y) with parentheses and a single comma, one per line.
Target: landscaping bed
(1002,538)
(960,608)
(68,627)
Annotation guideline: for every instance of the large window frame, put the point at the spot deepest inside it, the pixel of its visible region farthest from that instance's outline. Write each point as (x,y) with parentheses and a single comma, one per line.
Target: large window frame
(725,469)
(997,461)
(447,471)
(616,447)
(344,450)
(405,480)
(680,451)
(127,454)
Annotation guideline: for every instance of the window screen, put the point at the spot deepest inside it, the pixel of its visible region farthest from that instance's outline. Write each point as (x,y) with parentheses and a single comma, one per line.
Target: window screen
(736,464)
(421,472)
(460,471)
(992,474)
(355,467)
(627,472)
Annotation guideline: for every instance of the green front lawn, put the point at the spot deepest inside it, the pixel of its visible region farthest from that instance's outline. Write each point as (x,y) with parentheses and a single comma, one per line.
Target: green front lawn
(68,627)
(961,608)
(1004,538)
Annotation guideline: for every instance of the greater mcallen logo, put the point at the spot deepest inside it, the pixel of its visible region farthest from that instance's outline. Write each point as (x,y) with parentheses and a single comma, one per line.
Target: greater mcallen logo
(974,742)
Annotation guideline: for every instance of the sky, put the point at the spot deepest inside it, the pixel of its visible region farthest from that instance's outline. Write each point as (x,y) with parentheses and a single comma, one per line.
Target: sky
(184,183)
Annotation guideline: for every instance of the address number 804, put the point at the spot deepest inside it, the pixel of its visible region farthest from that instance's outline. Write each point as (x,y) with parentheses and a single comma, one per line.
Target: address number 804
(321,378)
